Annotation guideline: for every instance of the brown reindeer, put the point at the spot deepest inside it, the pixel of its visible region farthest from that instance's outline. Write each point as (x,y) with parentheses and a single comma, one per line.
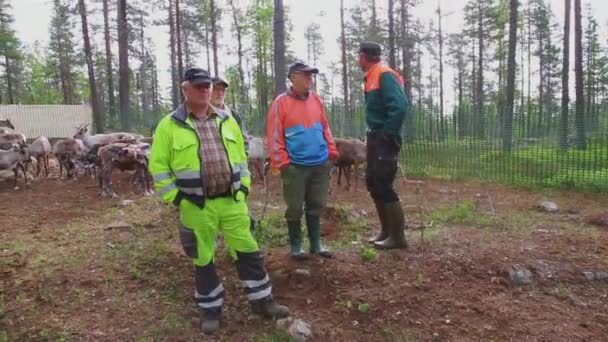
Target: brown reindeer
(352,154)
(67,151)
(125,157)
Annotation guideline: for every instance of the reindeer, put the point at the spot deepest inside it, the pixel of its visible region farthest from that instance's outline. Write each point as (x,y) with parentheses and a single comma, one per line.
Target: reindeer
(82,133)
(13,159)
(258,154)
(66,151)
(6,126)
(124,156)
(352,154)
(90,161)
(41,150)
(7,140)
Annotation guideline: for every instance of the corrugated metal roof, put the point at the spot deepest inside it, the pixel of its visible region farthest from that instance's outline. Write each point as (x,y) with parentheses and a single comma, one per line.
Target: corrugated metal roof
(53,121)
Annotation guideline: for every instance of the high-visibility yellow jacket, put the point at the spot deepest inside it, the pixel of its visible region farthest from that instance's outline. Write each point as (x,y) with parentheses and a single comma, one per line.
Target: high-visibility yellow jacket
(175,162)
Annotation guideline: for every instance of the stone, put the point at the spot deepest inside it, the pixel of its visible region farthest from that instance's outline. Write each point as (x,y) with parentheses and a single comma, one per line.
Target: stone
(520,276)
(549,207)
(591,276)
(125,203)
(301,272)
(119,225)
(295,328)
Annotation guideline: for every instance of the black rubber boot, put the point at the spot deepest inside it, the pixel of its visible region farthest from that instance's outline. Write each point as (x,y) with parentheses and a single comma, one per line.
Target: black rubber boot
(396,226)
(383,234)
(269,309)
(210,323)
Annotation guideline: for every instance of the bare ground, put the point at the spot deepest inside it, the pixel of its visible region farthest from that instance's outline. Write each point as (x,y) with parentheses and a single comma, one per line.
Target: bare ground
(75,266)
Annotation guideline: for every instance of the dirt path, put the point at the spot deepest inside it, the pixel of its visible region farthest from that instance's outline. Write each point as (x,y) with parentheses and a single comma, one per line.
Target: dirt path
(79,267)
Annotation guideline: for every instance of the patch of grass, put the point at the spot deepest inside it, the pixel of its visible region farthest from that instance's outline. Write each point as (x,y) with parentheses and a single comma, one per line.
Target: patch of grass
(363,308)
(464,212)
(171,325)
(419,279)
(391,335)
(562,290)
(368,254)
(272,230)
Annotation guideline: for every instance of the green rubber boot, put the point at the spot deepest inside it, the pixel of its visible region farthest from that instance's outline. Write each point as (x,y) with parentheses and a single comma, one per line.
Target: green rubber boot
(313,224)
(295,240)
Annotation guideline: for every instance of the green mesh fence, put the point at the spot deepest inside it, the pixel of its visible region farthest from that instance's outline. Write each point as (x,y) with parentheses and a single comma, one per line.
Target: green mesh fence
(467,145)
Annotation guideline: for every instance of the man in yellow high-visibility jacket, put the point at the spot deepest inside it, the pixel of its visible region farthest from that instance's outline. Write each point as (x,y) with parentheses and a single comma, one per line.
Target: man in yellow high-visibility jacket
(199,164)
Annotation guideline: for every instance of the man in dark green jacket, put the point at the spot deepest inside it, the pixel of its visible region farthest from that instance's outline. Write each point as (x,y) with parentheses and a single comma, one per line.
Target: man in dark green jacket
(385,107)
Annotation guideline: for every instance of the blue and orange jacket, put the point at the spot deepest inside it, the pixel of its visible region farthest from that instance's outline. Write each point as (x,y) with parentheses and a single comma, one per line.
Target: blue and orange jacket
(297,131)
(386,103)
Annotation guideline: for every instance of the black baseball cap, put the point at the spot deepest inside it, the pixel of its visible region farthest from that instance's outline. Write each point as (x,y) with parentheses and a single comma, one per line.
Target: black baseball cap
(300,66)
(197,76)
(218,80)
(370,48)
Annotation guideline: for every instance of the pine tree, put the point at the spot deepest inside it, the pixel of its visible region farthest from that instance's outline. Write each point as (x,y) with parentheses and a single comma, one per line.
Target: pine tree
(9,52)
(62,50)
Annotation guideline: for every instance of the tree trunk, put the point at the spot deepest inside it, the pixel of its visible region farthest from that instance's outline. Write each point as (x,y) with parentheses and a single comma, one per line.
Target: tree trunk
(279,47)
(9,83)
(461,128)
(581,140)
(174,74)
(123,65)
(541,86)
(392,61)
(109,72)
(155,103)
(178,33)
(207,49)
(143,74)
(344,61)
(374,22)
(214,36)
(97,114)
(563,129)
(442,128)
(187,52)
(522,63)
(480,92)
(407,48)
(508,117)
(239,39)
(529,115)
(406,53)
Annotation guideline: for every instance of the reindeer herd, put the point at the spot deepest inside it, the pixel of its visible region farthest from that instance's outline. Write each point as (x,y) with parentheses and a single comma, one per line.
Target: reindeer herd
(98,155)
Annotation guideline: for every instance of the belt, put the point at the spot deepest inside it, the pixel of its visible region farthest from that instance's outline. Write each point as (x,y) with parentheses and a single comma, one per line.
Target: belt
(223,194)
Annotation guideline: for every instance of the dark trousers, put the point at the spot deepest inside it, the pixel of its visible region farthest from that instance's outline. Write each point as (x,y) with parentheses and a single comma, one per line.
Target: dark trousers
(382,159)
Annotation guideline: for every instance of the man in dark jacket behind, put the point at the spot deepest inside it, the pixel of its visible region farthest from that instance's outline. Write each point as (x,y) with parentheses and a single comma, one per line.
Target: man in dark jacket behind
(385,107)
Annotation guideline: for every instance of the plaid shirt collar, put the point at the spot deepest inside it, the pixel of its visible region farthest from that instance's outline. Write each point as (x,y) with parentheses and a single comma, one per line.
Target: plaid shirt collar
(180,114)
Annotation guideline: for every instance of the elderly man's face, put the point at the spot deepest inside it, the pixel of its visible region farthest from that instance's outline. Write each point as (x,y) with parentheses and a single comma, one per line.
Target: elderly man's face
(218,94)
(197,95)
(302,81)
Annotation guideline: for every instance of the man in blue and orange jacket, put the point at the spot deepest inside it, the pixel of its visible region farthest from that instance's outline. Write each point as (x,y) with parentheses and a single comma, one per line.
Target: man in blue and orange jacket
(385,107)
(300,145)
